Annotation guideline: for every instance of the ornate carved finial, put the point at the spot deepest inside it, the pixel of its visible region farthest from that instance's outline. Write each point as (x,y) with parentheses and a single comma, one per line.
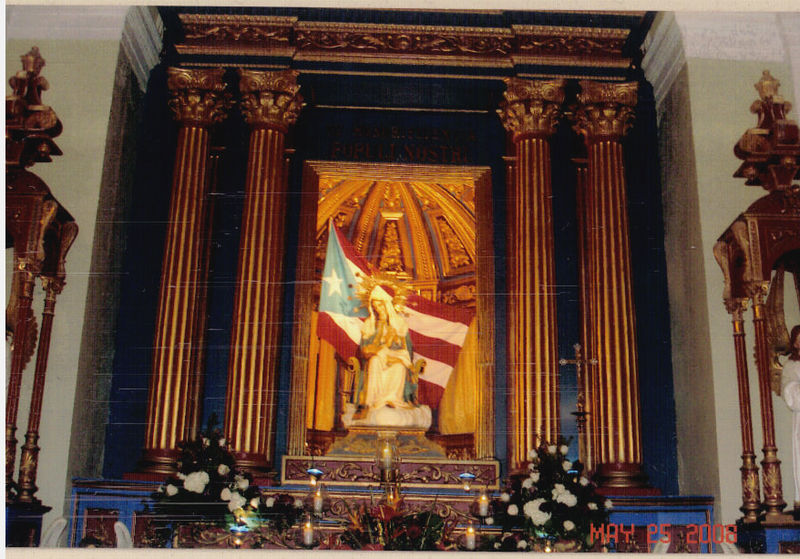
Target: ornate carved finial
(27,83)
(270,98)
(605,109)
(767,87)
(531,107)
(30,125)
(771,150)
(198,96)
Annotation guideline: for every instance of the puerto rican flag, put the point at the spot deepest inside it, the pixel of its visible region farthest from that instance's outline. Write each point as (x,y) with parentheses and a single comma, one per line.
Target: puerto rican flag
(437,331)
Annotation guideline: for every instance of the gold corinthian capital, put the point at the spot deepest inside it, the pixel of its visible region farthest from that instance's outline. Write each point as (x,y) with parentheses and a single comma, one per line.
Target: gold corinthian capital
(198,97)
(605,109)
(531,107)
(270,99)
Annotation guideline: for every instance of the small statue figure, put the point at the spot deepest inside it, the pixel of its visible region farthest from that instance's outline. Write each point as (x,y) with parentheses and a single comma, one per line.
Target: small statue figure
(790,391)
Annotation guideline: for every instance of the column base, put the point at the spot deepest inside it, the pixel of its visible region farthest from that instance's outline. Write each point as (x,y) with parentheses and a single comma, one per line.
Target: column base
(158,461)
(24,524)
(621,476)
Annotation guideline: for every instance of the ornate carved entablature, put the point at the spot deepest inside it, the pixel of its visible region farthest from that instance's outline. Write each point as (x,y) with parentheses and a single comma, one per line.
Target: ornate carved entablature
(236,34)
(557,40)
(402,39)
(771,150)
(30,124)
(603,46)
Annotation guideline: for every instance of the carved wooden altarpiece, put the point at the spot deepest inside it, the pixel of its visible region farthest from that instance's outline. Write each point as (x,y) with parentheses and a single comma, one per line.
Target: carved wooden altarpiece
(755,252)
(40,231)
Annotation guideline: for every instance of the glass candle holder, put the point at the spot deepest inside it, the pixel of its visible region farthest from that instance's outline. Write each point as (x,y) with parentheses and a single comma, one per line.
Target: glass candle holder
(483,504)
(470,537)
(307,534)
(386,454)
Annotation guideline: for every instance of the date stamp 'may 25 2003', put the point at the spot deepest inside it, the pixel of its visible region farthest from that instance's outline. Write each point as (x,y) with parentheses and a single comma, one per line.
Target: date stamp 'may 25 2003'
(694,533)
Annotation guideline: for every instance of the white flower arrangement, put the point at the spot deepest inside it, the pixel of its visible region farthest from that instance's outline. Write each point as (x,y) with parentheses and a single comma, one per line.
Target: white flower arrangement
(207,485)
(527,483)
(242,483)
(237,501)
(553,502)
(196,482)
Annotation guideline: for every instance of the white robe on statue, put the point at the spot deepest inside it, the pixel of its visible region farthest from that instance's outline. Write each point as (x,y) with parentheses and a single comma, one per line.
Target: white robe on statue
(791,395)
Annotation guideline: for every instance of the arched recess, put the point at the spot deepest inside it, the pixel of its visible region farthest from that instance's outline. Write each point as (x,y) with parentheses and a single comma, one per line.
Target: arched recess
(431,226)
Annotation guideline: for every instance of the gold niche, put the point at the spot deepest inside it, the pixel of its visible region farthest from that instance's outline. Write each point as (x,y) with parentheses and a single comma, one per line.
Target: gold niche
(429,226)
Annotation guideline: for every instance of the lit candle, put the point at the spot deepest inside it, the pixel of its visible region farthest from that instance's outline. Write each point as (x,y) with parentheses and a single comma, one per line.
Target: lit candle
(308,534)
(470,540)
(318,502)
(483,505)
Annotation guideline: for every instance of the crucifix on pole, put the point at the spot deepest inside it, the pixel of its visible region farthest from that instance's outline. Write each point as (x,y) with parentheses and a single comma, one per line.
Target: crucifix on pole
(581,411)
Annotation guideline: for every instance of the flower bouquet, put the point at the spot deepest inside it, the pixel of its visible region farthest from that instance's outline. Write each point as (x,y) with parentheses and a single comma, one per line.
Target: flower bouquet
(552,508)
(391,528)
(207,487)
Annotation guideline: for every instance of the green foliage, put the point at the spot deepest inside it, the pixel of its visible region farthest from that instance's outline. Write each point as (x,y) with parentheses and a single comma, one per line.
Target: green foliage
(389,528)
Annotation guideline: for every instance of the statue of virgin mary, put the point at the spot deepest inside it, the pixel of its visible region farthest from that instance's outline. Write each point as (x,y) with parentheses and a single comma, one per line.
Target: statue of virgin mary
(387,391)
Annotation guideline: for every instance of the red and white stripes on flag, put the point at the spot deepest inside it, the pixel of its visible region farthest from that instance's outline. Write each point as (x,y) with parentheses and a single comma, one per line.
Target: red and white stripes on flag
(437,331)
(437,336)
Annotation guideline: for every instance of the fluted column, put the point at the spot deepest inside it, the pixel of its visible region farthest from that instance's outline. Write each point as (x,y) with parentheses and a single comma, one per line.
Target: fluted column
(198,100)
(270,103)
(604,114)
(530,112)
(750,492)
(771,465)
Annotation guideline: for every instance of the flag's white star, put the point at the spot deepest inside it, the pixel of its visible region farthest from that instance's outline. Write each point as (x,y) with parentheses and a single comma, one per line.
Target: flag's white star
(334,283)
